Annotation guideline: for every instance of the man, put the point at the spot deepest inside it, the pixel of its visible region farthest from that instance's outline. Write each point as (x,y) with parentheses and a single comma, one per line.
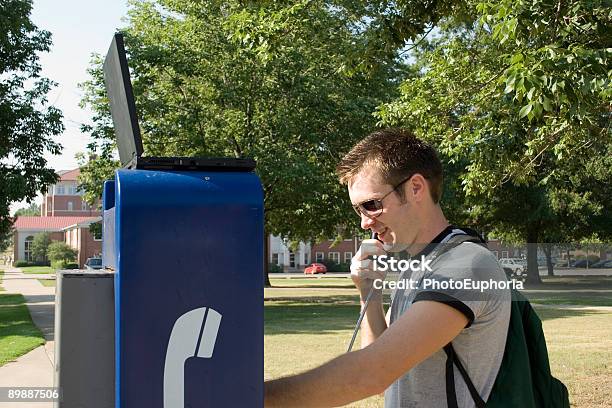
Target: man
(395,184)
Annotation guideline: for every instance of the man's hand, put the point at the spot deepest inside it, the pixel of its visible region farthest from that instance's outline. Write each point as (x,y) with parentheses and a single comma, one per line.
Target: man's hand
(362,266)
(425,328)
(363,275)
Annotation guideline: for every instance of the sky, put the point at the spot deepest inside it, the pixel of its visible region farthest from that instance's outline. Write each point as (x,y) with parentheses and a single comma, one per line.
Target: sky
(79,29)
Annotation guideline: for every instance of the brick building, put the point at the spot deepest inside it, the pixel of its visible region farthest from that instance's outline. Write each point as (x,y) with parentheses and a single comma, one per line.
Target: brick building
(290,260)
(342,252)
(74,231)
(66,216)
(504,250)
(64,199)
(294,260)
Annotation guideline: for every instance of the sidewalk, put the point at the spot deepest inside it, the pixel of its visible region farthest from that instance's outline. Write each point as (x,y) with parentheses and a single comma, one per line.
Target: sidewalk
(34,369)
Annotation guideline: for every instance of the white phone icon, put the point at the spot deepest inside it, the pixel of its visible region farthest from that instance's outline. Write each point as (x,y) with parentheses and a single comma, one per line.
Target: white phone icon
(185,342)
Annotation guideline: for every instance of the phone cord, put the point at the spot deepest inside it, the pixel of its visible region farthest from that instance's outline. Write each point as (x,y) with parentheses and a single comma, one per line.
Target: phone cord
(361,315)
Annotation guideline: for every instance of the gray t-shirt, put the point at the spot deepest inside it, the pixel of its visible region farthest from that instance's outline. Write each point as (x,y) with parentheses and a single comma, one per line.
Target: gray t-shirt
(480,346)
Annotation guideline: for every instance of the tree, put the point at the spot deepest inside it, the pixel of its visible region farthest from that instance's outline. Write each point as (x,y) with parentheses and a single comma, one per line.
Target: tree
(60,254)
(516,96)
(32,211)
(6,239)
(40,245)
(258,79)
(27,122)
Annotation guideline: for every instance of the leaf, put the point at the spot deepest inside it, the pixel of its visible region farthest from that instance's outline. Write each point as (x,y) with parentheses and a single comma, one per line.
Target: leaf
(516,58)
(530,93)
(525,110)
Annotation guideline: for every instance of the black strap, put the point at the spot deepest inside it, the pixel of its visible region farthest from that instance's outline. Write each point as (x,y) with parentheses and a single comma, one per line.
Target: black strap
(451,356)
(451,395)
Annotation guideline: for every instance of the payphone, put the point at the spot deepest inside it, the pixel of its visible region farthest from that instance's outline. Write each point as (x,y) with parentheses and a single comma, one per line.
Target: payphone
(185,237)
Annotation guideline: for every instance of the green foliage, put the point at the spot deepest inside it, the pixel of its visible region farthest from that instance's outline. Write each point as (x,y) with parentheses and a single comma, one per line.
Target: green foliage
(95,228)
(22,264)
(25,264)
(275,268)
(333,266)
(32,211)
(60,253)
(6,238)
(266,80)
(94,171)
(27,122)
(39,246)
(518,103)
(70,266)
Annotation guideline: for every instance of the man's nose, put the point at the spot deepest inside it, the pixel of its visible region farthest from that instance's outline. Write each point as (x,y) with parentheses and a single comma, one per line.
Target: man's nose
(367,222)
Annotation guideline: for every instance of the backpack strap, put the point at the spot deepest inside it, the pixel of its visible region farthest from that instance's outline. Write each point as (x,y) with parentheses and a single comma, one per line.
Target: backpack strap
(451,356)
(454,241)
(451,395)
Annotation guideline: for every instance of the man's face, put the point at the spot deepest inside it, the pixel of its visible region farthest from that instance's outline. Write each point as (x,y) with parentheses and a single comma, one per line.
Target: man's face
(395,225)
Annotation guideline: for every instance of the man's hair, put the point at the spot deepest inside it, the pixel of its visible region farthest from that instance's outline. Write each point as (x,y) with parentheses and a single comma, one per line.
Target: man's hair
(395,154)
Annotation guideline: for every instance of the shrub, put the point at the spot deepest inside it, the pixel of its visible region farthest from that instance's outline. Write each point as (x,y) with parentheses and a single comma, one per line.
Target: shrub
(60,254)
(64,265)
(592,258)
(23,264)
(274,268)
(39,246)
(333,266)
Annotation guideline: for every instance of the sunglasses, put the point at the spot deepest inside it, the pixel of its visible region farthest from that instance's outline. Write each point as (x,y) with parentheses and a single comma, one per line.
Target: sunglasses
(373,208)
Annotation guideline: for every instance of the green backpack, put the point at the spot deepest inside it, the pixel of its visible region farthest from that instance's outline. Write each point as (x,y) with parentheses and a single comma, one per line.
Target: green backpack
(524,379)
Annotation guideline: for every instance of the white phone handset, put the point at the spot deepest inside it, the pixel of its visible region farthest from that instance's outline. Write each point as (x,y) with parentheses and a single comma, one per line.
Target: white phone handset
(185,342)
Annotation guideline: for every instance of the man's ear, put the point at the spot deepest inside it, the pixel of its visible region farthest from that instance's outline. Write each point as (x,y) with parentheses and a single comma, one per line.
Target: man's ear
(418,187)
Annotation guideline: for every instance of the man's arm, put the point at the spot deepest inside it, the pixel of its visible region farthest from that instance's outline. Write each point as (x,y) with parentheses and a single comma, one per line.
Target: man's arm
(374,322)
(363,276)
(424,329)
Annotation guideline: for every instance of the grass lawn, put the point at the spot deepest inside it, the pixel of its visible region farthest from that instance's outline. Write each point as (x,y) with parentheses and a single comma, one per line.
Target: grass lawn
(301,335)
(312,282)
(47,282)
(37,269)
(305,327)
(572,290)
(580,351)
(18,335)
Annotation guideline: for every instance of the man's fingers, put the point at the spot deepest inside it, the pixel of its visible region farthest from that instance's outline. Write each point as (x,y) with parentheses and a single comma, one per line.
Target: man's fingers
(370,275)
(368,249)
(364,269)
(362,264)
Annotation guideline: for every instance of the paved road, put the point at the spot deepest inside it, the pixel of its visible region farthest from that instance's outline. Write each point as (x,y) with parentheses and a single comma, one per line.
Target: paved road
(34,369)
(543,272)
(293,275)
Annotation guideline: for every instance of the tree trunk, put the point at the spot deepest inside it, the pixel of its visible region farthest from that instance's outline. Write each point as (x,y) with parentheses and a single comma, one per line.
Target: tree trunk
(266,259)
(548,252)
(533,274)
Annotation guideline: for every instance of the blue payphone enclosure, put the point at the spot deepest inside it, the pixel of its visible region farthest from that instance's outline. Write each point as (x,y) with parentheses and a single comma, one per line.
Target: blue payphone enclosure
(187,249)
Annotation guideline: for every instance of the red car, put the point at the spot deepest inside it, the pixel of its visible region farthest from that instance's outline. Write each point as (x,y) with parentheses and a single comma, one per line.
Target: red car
(315,268)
